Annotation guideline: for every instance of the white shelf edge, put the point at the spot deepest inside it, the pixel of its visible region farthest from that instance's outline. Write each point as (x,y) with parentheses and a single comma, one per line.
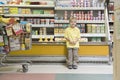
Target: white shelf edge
(39,6)
(93,35)
(61,21)
(88,35)
(111,30)
(112,12)
(1,14)
(111,21)
(59,35)
(79,8)
(81,21)
(29,15)
(1,5)
(43,36)
(112,1)
(90,21)
(40,25)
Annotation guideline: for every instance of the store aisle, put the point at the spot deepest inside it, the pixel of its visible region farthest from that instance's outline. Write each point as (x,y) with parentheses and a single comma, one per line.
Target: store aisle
(60,68)
(58,72)
(56,76)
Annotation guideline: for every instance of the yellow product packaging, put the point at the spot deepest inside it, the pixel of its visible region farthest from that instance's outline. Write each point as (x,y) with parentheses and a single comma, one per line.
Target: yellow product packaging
(1,10)
(93,28)
(55,30)
(27,11)
(23,11)
(27,43)
(1,40)
(23,47)
(40,39)
(89,28)
(13,10)
(46,39)
(48,12)
(51,39)
(28,27)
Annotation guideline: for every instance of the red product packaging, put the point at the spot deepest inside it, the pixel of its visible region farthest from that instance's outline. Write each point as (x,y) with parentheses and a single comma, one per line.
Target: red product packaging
(17,28)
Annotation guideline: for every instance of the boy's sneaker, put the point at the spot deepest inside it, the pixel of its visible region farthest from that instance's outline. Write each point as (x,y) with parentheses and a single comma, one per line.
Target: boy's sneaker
(75,66)
(69,66)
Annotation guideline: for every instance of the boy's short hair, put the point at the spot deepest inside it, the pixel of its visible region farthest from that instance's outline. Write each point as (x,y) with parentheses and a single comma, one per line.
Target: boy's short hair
(72,18)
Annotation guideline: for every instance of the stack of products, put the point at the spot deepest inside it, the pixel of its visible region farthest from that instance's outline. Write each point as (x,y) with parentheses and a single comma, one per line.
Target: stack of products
(14,36)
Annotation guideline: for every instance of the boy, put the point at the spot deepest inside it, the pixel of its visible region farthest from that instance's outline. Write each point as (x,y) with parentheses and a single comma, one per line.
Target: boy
(72,36)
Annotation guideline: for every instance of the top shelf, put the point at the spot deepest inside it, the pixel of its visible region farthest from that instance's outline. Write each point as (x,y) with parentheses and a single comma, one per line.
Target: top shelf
(79,8)
(56,8)
(31,6)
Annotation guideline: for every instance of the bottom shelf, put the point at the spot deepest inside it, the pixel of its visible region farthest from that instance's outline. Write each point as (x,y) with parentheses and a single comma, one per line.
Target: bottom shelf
(56,59)
(61,50)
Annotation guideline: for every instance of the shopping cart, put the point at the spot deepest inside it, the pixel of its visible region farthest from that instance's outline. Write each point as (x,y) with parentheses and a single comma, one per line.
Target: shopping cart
(3,61)
(12,37)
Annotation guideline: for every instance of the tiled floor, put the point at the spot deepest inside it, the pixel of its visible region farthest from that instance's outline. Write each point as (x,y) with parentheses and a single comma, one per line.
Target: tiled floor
(56,76)
(60,68)
(57,72)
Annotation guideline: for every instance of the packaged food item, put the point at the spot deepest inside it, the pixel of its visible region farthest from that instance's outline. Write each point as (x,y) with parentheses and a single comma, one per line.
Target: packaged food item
(40,39)
(14,43)
(28,27)
(27,43)
(89,28)
(51,39)
(1,40)
(17,28)
(46,39)
(9,30)
(22,46)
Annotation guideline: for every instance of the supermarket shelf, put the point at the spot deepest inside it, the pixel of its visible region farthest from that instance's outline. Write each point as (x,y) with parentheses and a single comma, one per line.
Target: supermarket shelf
(93,35)
(111,1)
(90,21)
(40,25)
(79,8)
(111,30)
(111,21)
(112,12)
(81,21)
(31,6)
(29,15)
(93,43)
(56,58)
(59,35)
(61,21)
(43,36)
(63,43)
(1,14)
(86,35)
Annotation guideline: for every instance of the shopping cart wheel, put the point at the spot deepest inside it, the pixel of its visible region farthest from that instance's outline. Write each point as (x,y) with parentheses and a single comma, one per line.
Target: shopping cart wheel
(25,67)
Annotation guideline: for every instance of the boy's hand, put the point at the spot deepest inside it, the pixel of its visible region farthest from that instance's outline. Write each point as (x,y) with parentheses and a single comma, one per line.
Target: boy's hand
(72,42)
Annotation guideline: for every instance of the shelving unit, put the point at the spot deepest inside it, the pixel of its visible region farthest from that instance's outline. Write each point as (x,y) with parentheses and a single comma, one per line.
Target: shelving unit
(111,17)
(49,27)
